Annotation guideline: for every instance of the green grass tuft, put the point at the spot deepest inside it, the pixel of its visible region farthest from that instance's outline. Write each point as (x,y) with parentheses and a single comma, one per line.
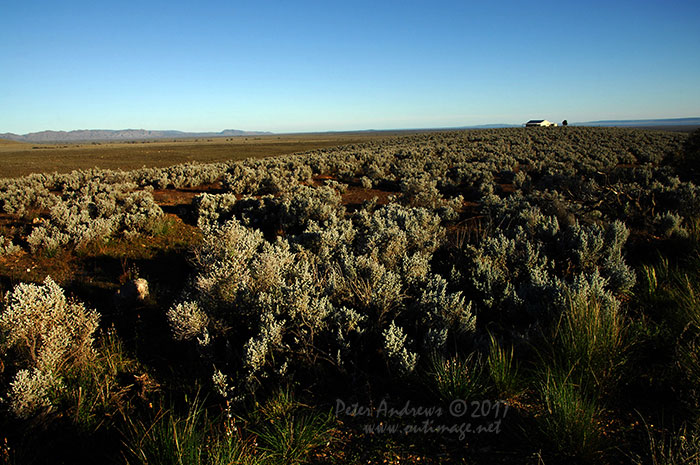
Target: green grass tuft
(503,370)
(569,423)
(590,342)
(288,432)
(455,378)
(169,439)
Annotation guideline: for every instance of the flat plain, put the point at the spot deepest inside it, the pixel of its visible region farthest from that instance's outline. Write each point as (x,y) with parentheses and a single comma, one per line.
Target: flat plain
(20,159)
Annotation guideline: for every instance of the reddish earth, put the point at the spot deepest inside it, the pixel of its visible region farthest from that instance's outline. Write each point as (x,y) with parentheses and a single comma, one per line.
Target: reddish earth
(353,198)
(184,196)
(99,265)
(319,180)
(355,195)
(507,188)
(22,267)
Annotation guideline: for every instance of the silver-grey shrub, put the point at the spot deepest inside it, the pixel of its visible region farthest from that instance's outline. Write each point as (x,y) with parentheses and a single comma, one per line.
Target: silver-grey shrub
(211,207)
(18,196)
(437,311)
(421,191)
(392,231)
(599,249)
(396,351)
(45,334)
(222,263)
(96,212)
(188,321)
(302,204)
(267,295)
(7,247)
(669,224)
(363,283)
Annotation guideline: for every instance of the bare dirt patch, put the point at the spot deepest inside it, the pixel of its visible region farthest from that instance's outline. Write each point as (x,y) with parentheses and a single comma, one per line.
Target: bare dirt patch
(184,196)
(356,196)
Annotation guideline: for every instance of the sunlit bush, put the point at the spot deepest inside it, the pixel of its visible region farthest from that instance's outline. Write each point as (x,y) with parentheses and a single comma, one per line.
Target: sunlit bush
(46,334)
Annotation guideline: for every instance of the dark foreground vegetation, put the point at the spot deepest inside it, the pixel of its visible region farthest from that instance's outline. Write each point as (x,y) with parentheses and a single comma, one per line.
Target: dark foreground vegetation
(496,296)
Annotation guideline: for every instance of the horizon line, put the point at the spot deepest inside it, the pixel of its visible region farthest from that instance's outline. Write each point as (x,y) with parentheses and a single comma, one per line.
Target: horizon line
(312,131)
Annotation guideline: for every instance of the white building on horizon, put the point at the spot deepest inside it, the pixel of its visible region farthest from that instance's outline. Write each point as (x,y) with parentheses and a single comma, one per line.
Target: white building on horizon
(539,123)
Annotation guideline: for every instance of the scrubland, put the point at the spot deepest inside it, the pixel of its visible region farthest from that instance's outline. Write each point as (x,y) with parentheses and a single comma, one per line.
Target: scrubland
(487,296)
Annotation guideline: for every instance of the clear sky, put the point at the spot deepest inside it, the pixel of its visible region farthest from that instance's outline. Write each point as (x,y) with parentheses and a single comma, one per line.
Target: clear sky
(289,66)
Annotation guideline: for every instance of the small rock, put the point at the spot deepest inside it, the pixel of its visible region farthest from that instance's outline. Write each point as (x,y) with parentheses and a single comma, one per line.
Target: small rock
(134,290)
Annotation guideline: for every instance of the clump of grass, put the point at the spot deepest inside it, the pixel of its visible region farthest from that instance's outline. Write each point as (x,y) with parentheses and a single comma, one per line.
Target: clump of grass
(232,449)
(290,440)
(674,289)
(288,432)
(589,349)
(169,438)
(569,423)
(162,226)
(650,279)
(192,438)
(503,370)
(454,378)
(685,294)
(281,404)
(670,296)
(590,342)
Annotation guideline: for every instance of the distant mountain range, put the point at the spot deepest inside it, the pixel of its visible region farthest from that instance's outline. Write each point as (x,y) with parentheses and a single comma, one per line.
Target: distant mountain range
(125,135)
(107,135)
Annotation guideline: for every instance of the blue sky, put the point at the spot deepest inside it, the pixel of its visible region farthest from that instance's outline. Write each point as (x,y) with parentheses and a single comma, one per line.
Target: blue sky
(327,65)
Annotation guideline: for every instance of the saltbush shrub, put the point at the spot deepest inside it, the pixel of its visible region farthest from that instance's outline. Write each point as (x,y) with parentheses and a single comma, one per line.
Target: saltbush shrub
(46,334)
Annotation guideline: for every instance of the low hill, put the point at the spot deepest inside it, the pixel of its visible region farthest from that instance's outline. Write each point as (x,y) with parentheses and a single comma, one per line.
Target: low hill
(108,135)
(9,142)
